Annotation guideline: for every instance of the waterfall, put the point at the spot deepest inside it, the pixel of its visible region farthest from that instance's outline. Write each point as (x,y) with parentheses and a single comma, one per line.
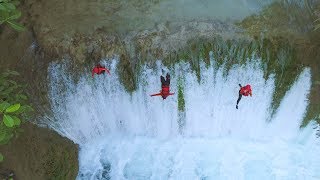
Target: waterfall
(134,136)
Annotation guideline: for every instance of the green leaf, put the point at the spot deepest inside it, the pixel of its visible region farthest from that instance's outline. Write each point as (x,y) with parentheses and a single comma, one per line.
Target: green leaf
(14,15)
(1,157)
(2,7)
(4,106)
(16,3)
(13,108)
(8,121)
(16,120)
(16,26)
(9,6)
(4,14)
(22,109)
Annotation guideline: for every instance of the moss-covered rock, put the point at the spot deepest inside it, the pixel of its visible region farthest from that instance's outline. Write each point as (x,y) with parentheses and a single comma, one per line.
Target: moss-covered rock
(126,74)
(40,153)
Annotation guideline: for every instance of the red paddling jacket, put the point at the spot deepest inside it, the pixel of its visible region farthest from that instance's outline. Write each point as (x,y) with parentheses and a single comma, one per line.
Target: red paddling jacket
(246,90)
(99,70)
(165,92)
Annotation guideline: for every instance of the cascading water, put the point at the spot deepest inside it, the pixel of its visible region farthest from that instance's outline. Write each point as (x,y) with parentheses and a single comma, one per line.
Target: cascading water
(135,136)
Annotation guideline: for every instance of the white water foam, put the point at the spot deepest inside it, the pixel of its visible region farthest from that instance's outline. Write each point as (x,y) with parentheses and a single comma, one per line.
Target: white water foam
(136,136)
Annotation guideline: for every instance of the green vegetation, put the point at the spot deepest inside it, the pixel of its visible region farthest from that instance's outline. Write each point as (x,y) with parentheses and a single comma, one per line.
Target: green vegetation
(280,19)
(127,76)
(13,107)
(181,106)
(9,14)
(296,25)
(181,102)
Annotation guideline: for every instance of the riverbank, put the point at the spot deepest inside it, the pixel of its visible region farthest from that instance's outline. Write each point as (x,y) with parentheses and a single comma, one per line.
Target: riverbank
(40,153)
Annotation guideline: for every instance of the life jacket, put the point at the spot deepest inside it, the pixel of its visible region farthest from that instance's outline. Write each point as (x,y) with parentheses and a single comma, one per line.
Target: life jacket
(246,90)
(165,91)
(99,70)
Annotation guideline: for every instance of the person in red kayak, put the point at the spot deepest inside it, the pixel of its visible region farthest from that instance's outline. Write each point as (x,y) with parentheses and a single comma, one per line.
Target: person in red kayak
(98,69)
(244,91)
(165,87)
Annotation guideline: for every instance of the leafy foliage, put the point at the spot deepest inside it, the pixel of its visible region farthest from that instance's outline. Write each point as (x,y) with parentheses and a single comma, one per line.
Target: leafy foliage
(13,107)
(8,121)
(9,14)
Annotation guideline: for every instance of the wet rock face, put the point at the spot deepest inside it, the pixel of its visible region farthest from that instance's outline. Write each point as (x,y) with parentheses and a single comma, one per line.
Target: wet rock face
(82,48)
(40,153)
(88,31)
(166,38)
(146,44)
